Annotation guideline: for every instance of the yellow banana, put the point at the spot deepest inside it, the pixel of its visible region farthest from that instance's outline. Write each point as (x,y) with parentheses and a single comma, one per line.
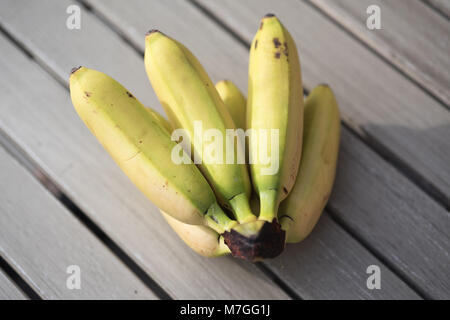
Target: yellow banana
(275,101)
(234,100)
(201,239)
(142,148)
(301,210)
(190,99)
(160,119)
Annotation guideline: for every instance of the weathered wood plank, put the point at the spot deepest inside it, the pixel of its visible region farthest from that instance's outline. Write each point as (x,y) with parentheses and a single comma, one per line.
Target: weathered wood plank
(395,217)
(90,52)
(342,271)
(442,5)
(40,239)
(8,290)
(216,51)
(68,152)
(413,37)
(126,215)
(374,98)
(376,176)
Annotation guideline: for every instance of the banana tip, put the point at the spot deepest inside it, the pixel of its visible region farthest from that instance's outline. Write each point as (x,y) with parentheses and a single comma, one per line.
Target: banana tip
(324,85)
(269,15)
(266,244)
(151,32)
(75,69)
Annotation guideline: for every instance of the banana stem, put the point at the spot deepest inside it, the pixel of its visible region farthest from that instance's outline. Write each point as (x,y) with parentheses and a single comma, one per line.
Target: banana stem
(241,208)
(216,219)
(286,222)
(269,204)
(223,248)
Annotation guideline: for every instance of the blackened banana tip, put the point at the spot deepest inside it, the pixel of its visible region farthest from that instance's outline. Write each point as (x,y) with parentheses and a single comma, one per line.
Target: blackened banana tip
(269,15)
(267,244)
(74,69)
(151,31)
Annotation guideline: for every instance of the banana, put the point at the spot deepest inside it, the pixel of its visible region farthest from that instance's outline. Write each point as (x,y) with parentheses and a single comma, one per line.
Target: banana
(142,148)
(189,98)
(234,101)
(301,210)
(275,101)
(201,239)
(160,119)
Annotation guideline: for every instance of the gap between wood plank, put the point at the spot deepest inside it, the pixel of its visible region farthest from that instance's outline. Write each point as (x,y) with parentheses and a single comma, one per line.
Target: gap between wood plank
(27,162)
(372,142)
(356,131)
(285,287)
(435,9)
(19,282)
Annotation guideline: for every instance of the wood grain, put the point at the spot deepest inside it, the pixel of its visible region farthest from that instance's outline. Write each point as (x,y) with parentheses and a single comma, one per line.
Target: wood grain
(76,162)
(213,50)
(40,239)
(8,290)
(392,215)
(375,99)
(413,37)
(441,5)
(342,272)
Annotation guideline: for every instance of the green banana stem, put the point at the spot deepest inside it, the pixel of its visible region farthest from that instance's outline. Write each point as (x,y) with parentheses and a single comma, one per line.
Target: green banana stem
(217,220)
(269,204)
(241,208)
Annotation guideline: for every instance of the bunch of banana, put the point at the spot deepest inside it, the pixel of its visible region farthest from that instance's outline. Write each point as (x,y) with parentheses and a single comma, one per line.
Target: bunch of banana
(205,197)
(140,144)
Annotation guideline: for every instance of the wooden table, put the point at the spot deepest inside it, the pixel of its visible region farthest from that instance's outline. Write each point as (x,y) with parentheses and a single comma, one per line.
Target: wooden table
(64,202)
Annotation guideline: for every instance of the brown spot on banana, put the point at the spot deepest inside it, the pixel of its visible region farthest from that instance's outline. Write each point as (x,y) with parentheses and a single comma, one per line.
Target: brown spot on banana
(286,51)
(276,42)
